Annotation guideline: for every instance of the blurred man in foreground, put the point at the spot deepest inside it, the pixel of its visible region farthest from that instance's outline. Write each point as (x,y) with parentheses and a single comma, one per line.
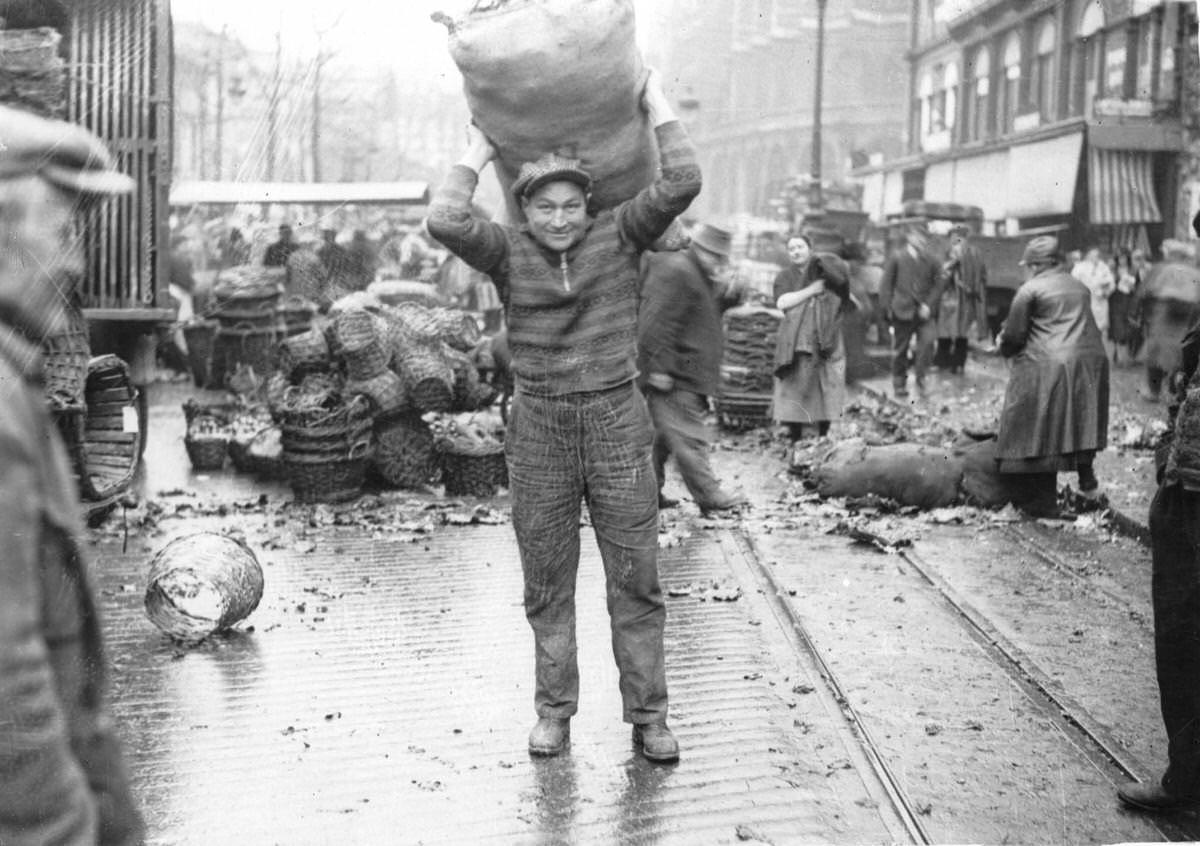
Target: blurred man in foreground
(62,778)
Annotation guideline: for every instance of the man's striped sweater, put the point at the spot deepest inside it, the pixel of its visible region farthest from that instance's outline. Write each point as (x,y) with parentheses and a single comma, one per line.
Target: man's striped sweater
(572,317)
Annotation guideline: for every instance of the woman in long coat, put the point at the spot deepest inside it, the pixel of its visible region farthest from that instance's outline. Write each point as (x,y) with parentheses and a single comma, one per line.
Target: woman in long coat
(1055,415)
(810,355)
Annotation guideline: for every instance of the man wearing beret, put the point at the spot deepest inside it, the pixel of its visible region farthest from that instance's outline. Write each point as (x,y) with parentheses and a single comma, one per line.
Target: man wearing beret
(579,429)
(62,777)
(679,357)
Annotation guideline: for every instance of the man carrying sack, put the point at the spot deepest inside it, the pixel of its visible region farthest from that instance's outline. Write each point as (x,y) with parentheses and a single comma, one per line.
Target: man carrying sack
(62,778)
(579,429)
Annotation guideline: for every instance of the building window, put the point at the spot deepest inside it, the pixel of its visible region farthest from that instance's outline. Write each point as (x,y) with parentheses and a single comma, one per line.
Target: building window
(925,98)
(1085,58)
(1149,34)
(1041,83)
(1115,56)
(1010,83)
(979,95)
(950,96)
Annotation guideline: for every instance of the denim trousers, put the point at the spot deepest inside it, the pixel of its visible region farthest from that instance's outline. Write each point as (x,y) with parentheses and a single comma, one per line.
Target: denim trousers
(679,430)
(592,447)
(1175,548)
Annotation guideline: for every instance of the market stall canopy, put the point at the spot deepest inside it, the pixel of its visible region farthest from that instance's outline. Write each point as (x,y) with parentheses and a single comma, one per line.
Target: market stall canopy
(307,193)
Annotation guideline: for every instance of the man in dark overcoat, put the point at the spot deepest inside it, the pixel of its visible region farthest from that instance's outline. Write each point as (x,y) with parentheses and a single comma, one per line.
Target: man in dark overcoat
(679,359)
(909,294)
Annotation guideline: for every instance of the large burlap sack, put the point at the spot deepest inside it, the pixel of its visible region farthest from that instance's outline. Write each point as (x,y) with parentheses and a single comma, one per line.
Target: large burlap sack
(910,474)
(558,76)
(983,485)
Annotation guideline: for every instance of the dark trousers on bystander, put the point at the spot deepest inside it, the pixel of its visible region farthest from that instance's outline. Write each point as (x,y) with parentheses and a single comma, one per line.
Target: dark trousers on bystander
(1175,545)
(903,332)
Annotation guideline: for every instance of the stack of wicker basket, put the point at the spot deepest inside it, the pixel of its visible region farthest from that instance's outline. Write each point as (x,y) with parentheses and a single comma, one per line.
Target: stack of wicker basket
(747,366)
(33,77)
(245,302)
(326,443)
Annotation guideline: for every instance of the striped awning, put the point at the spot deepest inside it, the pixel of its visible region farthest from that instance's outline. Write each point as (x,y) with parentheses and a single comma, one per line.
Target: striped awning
(1121,187)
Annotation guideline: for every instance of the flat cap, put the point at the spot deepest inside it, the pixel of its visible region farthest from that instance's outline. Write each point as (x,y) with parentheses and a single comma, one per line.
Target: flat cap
(549,168)
(1041,250)
(64,154)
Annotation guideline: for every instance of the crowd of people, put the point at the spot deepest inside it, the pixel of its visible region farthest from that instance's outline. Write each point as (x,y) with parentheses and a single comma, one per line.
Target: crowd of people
(615,353)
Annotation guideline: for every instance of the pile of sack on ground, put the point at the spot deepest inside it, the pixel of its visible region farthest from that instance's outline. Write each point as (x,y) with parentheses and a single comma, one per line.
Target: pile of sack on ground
(928,477)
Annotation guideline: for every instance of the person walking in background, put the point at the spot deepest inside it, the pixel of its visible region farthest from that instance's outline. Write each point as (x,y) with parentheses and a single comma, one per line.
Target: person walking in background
(362,261)
(579,428)
(62,774)
(909,296)
(963,303)
(793,278)
(1055,413)
(1163,305)
(1120,331)
(1096,275)
(277,253)
(679,358)
(1175,593)
(810,360)
(234,248)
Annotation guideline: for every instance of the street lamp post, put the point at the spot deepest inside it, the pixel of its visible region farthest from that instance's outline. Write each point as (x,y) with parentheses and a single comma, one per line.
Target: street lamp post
(817,200)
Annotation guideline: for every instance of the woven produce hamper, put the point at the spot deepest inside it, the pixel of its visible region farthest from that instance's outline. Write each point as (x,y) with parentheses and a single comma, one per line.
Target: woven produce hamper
(250,345)
(405,455)
(201,584)
(473,470)
(335,477)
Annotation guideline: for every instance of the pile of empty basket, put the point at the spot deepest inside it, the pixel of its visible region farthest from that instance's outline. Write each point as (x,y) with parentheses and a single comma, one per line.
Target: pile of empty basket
(747,367)
(353,398)
(246,319)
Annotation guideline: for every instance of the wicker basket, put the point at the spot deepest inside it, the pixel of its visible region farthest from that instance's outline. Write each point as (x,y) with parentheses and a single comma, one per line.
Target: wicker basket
(428,379)
(295,314)
(323,440)
(328,478)
(199,335)
(405,456)
(360,345)
(265,454)
(202,583)
(304,352)
(104,447)
(741,412)
(385,392)
(244,344)
(206,452)
(478,472)
(65,364)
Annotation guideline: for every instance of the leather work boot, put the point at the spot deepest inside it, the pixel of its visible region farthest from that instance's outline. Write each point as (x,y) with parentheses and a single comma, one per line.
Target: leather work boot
(550,736)
(656,742)
(1154,798)
(724,503)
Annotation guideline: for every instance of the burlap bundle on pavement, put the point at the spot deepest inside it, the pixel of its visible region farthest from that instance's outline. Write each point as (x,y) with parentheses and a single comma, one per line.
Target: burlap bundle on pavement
(558,76)
(910,474)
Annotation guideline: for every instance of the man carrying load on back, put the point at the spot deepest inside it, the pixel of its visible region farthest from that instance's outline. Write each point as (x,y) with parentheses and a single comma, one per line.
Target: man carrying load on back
(578,428)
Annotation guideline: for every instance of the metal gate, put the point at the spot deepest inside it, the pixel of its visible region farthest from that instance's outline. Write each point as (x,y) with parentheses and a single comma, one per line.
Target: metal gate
(119,86)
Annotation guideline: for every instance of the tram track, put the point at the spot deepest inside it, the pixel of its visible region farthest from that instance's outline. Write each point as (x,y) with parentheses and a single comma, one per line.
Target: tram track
(1073,722)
